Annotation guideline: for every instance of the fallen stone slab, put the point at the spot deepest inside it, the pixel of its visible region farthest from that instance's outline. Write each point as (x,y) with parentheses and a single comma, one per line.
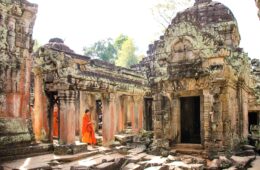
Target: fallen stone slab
(247,147)
(193,159)
(142,163)
(157,161)
(173,158)
(79,168)
(132,166)
(196,166)
(42,168)
(124,138)
(150,157)
(75,157)
(137,150)
(120,162)
(232,168)
(164,167)
(247,152)
(241,162)
(177,164)
(214,164)
(153,168)
(106,166)
(136,158)
(187,160)
(224,162)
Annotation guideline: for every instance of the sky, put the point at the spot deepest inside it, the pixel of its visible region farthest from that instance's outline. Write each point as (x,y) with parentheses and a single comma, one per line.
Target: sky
(83,22)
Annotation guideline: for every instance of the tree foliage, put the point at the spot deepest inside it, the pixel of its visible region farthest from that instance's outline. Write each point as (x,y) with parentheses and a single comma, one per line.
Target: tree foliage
(119,41)
(165,10)
(103,49)
(121,51)
(126,55)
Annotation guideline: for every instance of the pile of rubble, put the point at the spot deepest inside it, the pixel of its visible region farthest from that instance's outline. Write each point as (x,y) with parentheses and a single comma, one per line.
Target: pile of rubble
(135,157)
(136,152)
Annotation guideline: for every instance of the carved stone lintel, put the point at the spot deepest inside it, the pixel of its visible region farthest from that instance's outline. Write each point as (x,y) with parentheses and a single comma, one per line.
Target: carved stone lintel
(67,96)
(137,99)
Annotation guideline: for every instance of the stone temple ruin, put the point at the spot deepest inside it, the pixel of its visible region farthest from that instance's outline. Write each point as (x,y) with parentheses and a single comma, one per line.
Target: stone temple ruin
(196,88)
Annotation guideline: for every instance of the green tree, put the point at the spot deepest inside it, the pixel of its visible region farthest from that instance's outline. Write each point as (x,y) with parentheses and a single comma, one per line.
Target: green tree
(119,41)
(126,56)
(165,10)
(103,49)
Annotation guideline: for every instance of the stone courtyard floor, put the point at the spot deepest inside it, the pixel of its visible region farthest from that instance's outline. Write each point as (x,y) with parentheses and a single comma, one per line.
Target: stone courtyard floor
(121,157)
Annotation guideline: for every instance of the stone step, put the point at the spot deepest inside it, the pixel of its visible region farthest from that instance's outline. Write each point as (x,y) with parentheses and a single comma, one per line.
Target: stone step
(188,146)
(15,157)
(188,151)
(25,151)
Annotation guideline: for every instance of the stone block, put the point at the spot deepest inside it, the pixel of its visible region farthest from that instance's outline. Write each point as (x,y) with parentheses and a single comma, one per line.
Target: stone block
(247,147)
(248,152)
(106,166)
(14,131)
(136,158)
(241,162)
(132,166)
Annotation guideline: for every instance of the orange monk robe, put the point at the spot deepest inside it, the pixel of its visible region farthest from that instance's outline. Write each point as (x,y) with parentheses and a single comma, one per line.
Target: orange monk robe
(55,124)
(88,133)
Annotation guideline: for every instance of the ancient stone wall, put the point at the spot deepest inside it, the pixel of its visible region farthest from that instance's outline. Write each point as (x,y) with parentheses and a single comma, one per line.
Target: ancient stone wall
(78,81)
(199,56)
(17,19)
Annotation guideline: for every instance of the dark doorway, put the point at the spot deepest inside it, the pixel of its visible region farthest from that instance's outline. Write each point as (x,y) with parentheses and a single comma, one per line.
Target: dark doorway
(190,120)
(99,116)
(148,117)
(252,119)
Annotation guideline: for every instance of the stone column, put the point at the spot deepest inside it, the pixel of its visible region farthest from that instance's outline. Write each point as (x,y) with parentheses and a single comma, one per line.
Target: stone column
(38,105)
(67,111)
(206,106)
(245,114)
(109,108)
(121,116)
(176,120)
(138,113)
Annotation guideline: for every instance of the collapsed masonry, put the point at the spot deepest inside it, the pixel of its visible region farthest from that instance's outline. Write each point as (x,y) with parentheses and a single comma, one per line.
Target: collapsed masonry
(195,86)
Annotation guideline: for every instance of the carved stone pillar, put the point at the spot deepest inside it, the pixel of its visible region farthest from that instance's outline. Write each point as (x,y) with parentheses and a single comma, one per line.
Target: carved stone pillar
(109,121)
(206,100)
(67,104)
(176,120)
(137,123)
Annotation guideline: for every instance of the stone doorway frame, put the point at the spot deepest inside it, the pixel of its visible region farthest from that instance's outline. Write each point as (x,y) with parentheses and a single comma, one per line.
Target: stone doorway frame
(195,102)
(176,113)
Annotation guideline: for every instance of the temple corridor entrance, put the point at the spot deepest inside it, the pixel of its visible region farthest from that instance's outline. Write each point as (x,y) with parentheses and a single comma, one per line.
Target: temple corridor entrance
(99,119)
(190,120)
(148,117)
(252,119)
(55,122)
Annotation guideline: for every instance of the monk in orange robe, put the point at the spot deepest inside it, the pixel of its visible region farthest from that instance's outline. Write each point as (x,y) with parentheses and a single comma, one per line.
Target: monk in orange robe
(88,132)
(55,122)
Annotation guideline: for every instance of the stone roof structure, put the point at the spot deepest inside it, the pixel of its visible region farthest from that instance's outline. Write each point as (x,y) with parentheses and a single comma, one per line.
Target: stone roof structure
(58,44)
(205,12)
